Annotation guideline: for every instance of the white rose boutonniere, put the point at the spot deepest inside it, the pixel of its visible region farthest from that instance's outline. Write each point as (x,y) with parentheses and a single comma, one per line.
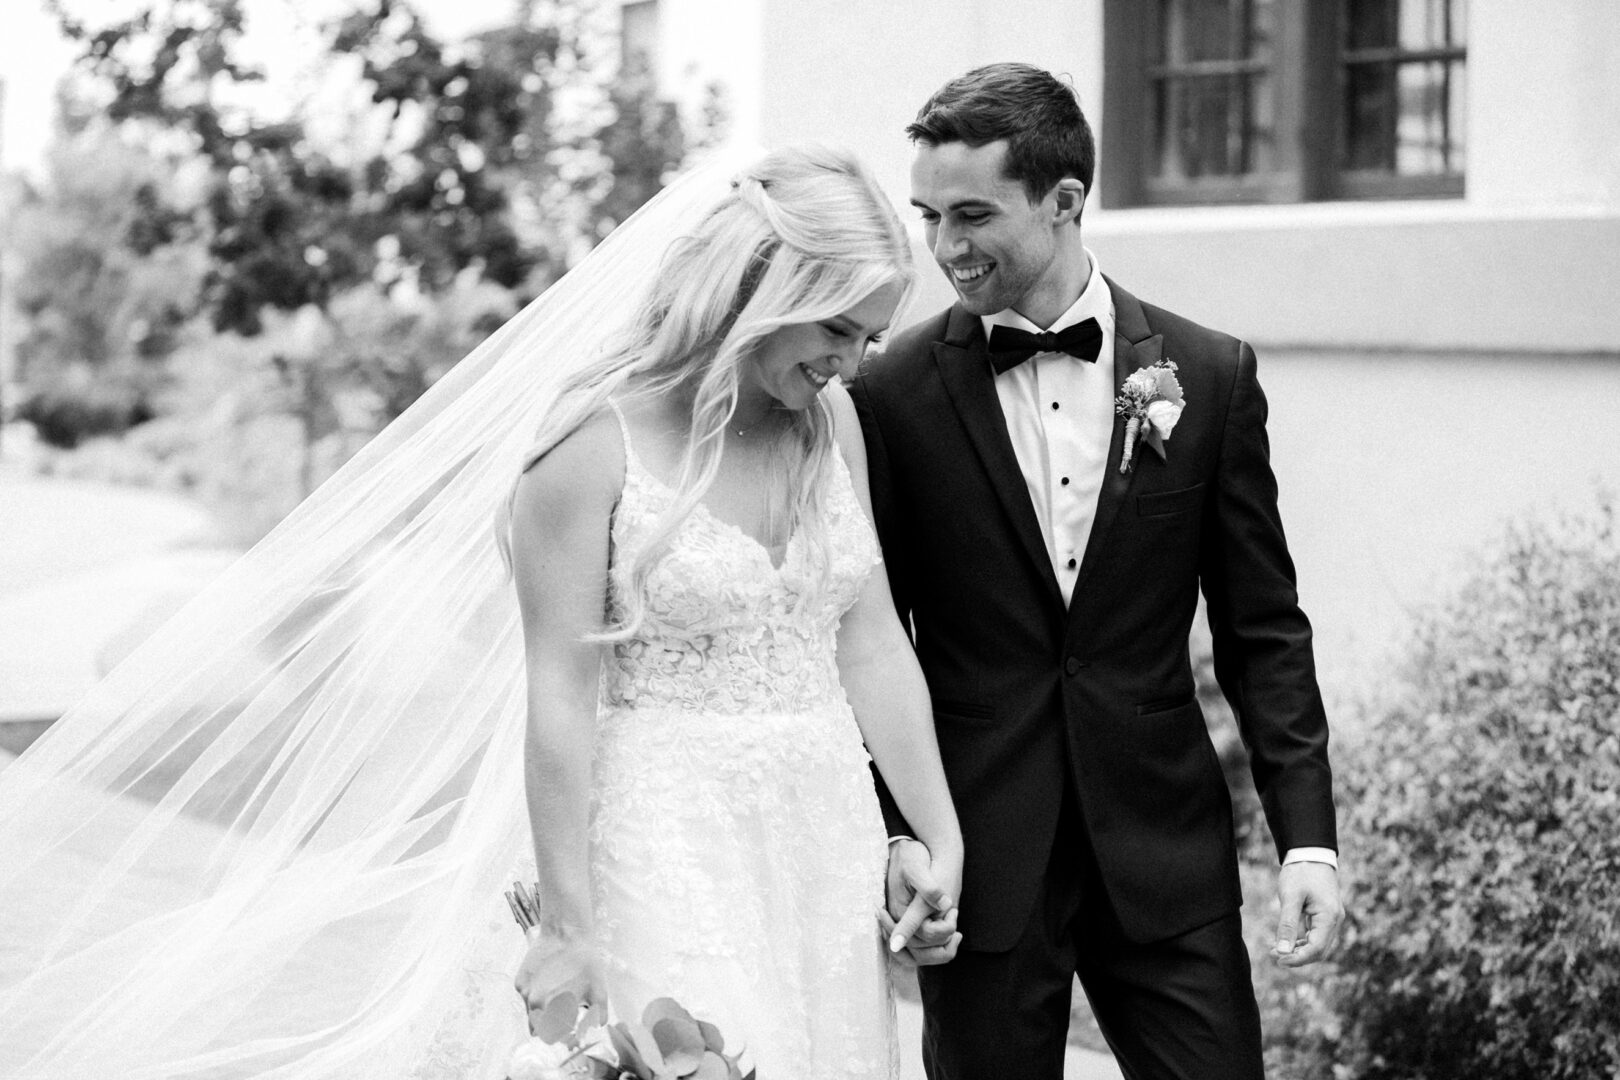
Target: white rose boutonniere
(1151,402)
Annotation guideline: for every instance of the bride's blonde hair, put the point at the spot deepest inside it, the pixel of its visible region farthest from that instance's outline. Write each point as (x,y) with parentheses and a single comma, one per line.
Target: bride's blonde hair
(804,234)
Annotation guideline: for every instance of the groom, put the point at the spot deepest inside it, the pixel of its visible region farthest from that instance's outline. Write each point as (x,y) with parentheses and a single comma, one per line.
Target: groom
(1049,566)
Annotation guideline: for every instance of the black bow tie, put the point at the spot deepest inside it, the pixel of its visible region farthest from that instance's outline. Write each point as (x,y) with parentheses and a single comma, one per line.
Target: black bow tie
(1010,346)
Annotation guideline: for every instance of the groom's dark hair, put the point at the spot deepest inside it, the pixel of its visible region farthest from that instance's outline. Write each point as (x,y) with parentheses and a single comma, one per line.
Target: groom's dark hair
(1037,113)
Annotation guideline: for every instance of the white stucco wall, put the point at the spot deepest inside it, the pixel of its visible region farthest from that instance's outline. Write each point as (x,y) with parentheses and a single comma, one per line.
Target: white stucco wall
(1544,103)
(1395,472)
(1385,276)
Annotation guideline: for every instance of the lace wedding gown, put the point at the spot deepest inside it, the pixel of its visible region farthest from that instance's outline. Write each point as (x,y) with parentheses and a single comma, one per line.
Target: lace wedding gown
(737,847)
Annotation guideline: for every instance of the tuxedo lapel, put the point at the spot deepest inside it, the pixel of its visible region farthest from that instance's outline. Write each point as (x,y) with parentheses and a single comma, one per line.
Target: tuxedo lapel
(964,366)
(1134,348)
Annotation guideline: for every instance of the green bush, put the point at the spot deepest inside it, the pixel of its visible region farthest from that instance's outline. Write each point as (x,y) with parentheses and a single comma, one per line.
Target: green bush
(1482,827)
(81,405)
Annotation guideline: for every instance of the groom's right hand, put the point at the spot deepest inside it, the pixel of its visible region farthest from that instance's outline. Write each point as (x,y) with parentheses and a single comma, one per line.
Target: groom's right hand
(920,921)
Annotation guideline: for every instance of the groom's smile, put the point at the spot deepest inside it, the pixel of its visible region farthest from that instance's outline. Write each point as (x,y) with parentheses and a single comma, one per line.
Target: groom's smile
(965,274)
(995,244)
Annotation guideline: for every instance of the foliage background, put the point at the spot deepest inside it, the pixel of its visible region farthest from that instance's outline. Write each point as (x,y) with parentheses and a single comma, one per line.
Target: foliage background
(227,292)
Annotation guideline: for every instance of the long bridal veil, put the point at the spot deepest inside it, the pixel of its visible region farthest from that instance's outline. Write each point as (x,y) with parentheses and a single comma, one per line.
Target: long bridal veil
(269,843)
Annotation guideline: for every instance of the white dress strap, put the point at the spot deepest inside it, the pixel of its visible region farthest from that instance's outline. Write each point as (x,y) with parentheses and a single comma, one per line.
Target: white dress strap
(624,433)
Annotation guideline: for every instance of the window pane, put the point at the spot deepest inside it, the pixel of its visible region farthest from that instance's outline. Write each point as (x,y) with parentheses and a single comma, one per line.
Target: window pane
(1371,24)
(1426,24)
(1405,24)
(638,35)
(1369,116)
(1212,125)
(1404,101)
(1211,96)
(1428,136)
(1405,118)
(1196,31)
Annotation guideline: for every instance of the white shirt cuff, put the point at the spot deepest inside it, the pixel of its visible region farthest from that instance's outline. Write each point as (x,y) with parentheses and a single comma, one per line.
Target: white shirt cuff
(1312,854)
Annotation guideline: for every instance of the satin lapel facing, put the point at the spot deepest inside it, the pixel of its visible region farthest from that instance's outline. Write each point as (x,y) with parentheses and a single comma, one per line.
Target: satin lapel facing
(1129,356)
(964,367)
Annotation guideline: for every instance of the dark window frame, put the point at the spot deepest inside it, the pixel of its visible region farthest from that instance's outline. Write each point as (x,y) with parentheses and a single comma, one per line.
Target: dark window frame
(1307,81)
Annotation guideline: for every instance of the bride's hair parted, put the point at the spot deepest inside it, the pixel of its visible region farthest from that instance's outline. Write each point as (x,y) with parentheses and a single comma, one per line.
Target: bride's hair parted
(804,234)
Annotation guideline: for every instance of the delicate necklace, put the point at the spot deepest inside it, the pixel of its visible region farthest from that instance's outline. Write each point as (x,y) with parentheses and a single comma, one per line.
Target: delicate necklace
(743,432)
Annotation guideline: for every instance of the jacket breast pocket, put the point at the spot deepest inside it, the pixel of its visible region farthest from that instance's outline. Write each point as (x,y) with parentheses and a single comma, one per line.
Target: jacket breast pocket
(1162,503)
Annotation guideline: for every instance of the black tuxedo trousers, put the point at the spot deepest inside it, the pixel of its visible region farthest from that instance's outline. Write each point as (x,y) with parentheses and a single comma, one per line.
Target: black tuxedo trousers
(1071,730)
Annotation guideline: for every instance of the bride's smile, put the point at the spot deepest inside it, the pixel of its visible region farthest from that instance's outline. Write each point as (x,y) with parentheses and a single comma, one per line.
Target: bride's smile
(795,363)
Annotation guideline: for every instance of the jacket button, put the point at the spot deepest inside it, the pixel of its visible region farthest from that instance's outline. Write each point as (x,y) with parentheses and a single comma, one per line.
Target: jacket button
(1071,665)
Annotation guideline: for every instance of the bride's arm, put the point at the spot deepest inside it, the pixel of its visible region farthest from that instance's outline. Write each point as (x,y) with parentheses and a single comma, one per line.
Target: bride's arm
(885,686)
(560,522)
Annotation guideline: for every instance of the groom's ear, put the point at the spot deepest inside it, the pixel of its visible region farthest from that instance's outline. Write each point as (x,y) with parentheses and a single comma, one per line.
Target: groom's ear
(1071,199)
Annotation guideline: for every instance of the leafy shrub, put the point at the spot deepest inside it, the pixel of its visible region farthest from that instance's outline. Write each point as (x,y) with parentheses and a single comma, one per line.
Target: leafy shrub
(67,411)
(1483,827)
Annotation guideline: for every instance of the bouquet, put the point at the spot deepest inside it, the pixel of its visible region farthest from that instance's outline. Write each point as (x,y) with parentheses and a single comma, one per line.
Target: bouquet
(564,1043)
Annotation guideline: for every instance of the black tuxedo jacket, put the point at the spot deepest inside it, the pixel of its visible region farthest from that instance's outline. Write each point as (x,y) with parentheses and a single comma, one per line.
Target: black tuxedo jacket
(1028,695)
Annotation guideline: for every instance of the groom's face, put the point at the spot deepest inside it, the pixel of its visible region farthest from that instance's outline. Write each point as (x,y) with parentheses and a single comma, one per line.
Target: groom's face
(996,247)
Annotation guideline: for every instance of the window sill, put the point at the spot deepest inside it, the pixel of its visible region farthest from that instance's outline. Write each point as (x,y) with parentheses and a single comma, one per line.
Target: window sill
(1125,221)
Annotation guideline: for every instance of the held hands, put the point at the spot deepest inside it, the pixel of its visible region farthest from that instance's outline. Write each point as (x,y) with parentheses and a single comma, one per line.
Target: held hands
(1312,915)
(920,921)
(554,964)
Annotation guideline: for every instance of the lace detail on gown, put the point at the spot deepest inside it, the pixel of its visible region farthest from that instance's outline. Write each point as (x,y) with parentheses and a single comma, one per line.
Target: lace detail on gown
(738,851)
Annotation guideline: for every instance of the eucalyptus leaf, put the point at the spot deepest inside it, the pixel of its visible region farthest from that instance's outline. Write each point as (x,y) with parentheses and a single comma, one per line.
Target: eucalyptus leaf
(675,1034)
(681,1044)
(647,1047)
(712,1067)
(664,1008)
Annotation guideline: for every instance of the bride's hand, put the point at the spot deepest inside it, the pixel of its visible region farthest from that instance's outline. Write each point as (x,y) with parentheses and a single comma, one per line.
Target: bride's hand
(553,965)
(921,911)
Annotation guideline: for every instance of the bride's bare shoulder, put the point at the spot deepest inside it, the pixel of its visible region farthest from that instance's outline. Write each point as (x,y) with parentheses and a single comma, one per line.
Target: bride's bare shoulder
(846,425)
(580,473)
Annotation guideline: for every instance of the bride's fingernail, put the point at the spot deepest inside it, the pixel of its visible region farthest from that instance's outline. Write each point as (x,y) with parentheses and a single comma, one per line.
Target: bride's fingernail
(896,943)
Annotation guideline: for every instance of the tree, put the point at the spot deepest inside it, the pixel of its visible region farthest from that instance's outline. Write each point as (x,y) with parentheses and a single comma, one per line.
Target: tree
(109,275)
(644,142)
(480,171)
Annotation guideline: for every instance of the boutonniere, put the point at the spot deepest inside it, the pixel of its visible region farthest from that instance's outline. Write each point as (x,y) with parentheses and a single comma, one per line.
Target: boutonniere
(1151,403)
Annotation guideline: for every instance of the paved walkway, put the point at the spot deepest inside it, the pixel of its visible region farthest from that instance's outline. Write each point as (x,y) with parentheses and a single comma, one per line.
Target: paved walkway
(86,572)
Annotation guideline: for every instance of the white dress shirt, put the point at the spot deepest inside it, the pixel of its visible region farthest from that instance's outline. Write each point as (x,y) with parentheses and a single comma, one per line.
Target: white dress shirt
(1060,418)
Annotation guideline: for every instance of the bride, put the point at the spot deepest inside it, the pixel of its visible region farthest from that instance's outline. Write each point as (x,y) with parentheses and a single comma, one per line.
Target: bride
(703,813)
(273,842)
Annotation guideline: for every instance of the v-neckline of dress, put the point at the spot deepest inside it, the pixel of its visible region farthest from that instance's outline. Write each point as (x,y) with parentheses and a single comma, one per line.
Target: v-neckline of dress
(633,462)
